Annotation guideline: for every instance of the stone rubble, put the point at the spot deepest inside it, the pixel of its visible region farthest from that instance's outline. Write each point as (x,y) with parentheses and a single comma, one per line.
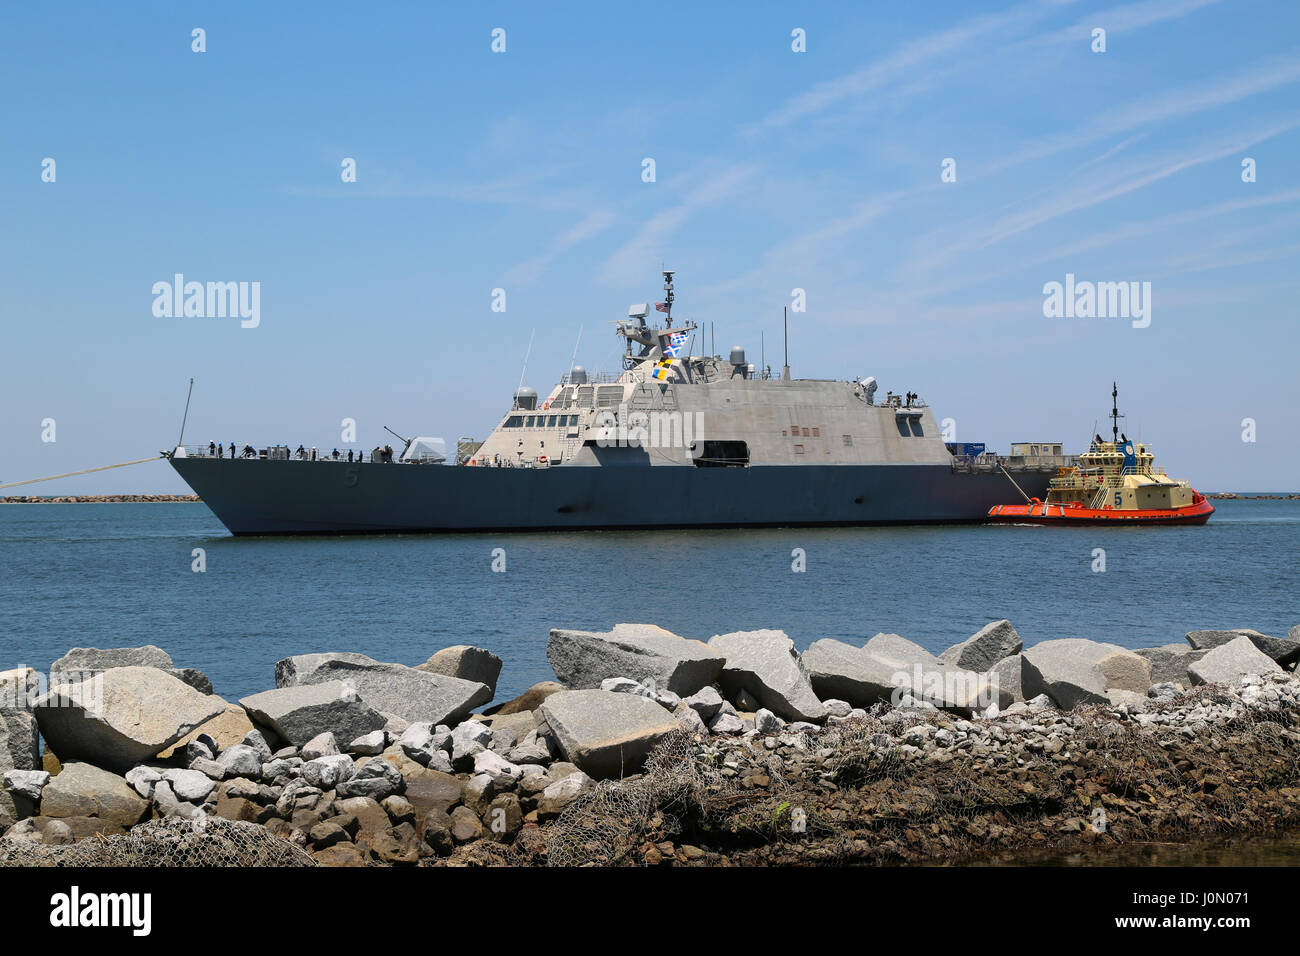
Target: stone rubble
(361,762)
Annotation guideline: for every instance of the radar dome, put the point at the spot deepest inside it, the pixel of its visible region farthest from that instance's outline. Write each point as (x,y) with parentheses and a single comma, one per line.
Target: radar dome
(578,376)
(526,398)
(737,355)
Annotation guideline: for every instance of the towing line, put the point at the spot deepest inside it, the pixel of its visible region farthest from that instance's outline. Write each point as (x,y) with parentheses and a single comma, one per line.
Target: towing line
(85,471)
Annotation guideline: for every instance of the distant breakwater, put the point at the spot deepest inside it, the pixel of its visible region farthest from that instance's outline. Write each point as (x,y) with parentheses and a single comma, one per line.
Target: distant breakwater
(96,499)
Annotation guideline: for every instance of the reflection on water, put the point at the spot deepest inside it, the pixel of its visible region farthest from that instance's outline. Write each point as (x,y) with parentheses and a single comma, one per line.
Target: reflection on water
(1272,850)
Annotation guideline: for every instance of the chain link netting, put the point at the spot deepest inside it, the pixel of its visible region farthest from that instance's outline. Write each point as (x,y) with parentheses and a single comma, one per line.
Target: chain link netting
(866,789)
(174,841)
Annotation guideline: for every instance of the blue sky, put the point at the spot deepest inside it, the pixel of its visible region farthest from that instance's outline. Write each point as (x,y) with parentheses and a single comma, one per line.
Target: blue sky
(522,170)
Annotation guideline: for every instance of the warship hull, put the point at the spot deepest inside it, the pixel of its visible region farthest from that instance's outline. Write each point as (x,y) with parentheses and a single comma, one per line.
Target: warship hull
(278,497)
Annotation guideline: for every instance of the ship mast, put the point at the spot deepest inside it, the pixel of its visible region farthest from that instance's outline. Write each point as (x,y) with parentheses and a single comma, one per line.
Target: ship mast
(668,295)
(1115,416)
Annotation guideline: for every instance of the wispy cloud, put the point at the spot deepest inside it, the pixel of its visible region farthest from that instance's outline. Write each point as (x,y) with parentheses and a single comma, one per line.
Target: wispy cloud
(1158,109)
(591,225)
(649,243)
(901,65)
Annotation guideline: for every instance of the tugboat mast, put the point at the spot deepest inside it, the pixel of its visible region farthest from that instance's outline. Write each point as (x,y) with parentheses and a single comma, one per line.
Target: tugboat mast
(1115,416)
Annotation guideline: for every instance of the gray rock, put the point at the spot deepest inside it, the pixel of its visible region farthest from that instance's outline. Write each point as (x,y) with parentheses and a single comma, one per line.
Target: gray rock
(299,713)
(1126,671)
(143,779)
(277,769)
(191,785)
(194,677)
(201,748)
(84,790)
(842,671)
(620,685)
(19,740)
(1165,691)
(413,695)
(396,726)
(440,760)
(583,659)
(919,675)
(26,783)
(209,768)
(1127,698)
(19,687)
(504,740)
(765,665)
(1169,662)
(417,739)
(689,719)
(467,663)
(1007,674)
(1228,663)
(898,652)
(240,760)
(706,702)
(369,745)
(257,740)
(122,717)
(891,668)
(766,722)
(724,723)
(1066,671)
(322,745)
(82,662)
(1285,651)
(329,771)
(560,794)
(501,771)
(985,648)
(376,779)
(606,734)
(468,740)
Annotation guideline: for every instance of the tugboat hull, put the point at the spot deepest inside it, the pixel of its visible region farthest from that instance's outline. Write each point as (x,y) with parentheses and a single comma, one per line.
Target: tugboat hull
(1197,513)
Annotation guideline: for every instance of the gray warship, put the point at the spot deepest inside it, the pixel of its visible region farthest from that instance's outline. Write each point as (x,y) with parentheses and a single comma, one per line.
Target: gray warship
(676,440)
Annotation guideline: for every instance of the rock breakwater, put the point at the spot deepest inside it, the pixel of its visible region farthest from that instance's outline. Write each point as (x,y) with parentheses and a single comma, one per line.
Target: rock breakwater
(877,754)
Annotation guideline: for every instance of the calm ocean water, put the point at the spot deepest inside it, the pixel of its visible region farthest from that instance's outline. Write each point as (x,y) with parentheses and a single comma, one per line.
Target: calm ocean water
(120,574)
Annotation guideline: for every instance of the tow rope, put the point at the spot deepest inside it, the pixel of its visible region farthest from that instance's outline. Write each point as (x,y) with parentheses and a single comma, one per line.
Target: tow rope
(85,471)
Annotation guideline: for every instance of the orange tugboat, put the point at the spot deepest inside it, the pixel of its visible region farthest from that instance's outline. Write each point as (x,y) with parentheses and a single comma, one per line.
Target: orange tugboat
(1115,482)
